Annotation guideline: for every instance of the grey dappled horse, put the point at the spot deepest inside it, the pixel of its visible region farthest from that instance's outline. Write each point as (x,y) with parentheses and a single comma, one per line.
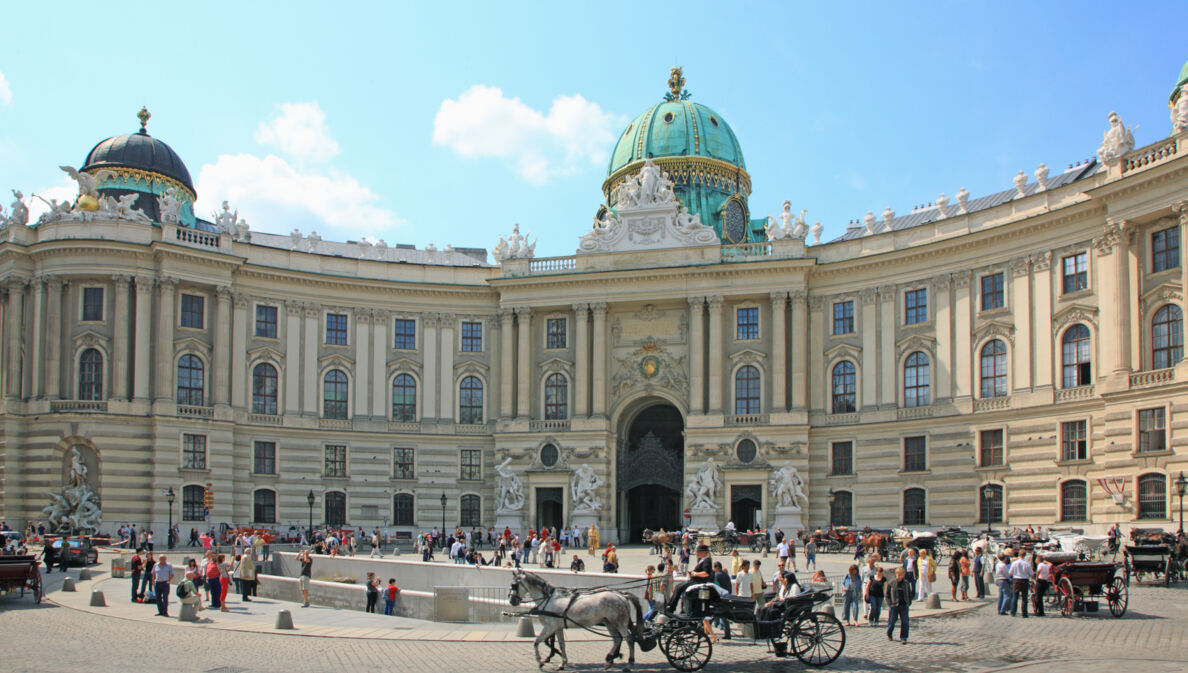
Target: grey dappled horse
(557,607)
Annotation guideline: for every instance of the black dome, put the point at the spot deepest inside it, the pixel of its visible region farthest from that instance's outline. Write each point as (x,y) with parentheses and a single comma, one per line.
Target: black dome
(140,151)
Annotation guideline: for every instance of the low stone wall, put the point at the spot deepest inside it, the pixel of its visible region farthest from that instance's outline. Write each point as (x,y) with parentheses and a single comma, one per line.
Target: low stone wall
(414,604)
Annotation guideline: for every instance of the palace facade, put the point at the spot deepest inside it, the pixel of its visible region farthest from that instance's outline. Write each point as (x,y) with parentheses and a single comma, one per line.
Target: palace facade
(1013,358)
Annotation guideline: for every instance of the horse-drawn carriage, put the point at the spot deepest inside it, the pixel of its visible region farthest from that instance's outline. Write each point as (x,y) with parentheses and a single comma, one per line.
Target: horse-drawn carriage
(18,573)
(1155,552)
(1073,582)
(721,543)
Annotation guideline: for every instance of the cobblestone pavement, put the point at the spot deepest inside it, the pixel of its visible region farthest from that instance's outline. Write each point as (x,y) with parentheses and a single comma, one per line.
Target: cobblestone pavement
(49,638)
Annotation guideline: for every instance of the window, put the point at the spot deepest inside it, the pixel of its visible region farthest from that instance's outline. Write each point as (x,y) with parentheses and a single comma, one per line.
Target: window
(1074,501)
(841,509)
(336,461)
(1167,337)
(994,369)
(193,503)
(913,507)
(193,452)
(336,329)
(747,324)
(402,464)
(264,506)
(993,295)
(1075,346)
(1152,430)
(402,509)
(1152,496)
(405,337)
(842,457)
(549,455)
(335,395)
(1074,440)
(90,375)
(843,317)
(844,387)
(92,306)
(264,389)
(192,310)
(990,448)
(746,451)
(556,397)
(746,390)
(470,514)
(190,377)
(264,457)
(555,333)
(990,504)
(1165,249)
(335,509)
(472,465)
(266,324)
(915,454)
(404,399)
(470,402)
(1075,272)
(915,380)
(472,337)
(915,306)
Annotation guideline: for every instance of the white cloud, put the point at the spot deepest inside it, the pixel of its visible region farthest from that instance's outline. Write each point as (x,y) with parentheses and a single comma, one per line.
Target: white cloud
(299,131)
(276,197)
(5,92)
(482,122)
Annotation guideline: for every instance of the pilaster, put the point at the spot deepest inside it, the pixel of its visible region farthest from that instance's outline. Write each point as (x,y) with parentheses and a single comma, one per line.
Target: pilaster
(581,345)
(292,376)
(888,366)
(445,325)
(799,335)
(779,348)
(142,350)
(1043,340)
(381,326)
(429,398)
(600,353)
(942,368)
(524,359)
(53,329)
(13,320)
(163,389)
(506,362)
(963,383)
(817,327)
(121,319)
(362,380)
(868,395)
(696,355)
(223,349)
(715,354)
(308,373)
(239,328)
(36,338)
(1021,299)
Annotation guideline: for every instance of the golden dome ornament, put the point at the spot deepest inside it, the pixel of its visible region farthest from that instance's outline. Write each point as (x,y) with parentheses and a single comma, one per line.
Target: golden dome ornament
(88,203)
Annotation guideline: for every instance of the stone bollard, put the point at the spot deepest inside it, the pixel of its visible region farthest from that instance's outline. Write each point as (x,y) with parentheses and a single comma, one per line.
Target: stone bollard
(933,601)
(97,599)
(525,629)
(188,613)
(284,620)
(68,584)
(827,609)
(84,575)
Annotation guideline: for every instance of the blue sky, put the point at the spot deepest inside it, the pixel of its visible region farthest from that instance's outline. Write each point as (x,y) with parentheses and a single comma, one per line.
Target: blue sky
(448,122)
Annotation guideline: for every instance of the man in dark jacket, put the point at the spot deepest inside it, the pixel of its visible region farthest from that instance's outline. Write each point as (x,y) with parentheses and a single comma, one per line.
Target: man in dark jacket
(899,597)
(49,554)
(722,579)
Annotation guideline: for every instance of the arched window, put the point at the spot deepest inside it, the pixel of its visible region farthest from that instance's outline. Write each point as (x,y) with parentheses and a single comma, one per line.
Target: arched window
(470,401)
(336,509)
(990,503)
(1167,337)
(1074,501)
(335,396)
(841,509)
(994,369)
(404,399)
(264,506)
(264,390)
(193,503)
(916,381)
(1152,496)
(190,375)
(470,514)
(844,387)
(90,375)
(402,509)
(913,507)
(556,398)
(1075,346)
(746,390)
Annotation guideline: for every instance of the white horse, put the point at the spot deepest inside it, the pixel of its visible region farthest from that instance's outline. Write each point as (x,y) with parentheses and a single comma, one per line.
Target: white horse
(558,607)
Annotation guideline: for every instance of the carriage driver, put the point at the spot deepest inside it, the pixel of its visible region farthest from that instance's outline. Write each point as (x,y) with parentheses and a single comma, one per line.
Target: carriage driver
(702,573)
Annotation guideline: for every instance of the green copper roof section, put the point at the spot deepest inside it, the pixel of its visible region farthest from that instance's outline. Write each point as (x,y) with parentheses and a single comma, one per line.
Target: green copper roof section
(1179,83)
(674,129)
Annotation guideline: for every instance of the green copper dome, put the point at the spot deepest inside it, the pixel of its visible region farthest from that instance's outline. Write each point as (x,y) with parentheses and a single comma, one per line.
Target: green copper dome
(1179,83)
(677,129)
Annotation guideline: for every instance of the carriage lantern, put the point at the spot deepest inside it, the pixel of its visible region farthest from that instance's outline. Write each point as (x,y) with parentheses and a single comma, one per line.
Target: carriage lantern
(1181,486)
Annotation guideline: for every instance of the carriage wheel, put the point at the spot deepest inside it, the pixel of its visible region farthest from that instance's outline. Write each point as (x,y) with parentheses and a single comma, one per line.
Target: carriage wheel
(817,638)
(688,648)
(1068,597)
(38,591)
(1117,595)
(1168,570)
(720,547)
(1126,570)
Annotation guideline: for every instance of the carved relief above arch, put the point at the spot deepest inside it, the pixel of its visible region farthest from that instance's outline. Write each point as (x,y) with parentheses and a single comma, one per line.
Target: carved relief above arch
(842,352)
(1164,293)
(916,342)
(1077,313)
(747,356)
(266,354)
(995,330)
(404,366)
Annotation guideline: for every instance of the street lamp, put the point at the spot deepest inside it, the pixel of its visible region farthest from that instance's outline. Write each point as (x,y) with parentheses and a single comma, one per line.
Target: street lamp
(1181,486)
(987,498)
(443,533)
(170,495)
(310,499)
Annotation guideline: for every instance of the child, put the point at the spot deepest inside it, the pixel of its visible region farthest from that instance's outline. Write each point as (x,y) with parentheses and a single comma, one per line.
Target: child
(390,596)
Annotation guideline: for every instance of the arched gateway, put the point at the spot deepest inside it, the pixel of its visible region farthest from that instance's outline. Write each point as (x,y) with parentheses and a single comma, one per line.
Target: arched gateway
(650,474)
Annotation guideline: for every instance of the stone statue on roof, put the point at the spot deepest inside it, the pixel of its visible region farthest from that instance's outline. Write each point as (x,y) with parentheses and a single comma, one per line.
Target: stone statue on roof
(169,206)
(1179,111)
(19,213)
(1117,140)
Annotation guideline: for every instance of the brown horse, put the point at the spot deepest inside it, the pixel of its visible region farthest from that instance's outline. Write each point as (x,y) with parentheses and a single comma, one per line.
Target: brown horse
(660,541)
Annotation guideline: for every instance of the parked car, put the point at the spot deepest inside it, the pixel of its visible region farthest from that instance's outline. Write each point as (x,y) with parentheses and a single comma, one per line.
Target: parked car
(81,552)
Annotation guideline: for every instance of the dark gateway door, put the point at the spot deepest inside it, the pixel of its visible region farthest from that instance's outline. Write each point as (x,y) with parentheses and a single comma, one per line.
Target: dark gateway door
(549,508)
(650,472)
(744,502)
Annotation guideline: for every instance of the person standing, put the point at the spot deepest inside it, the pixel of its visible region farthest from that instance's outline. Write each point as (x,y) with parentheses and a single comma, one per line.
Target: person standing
(852,583)
(136,568)
(1021,572)
(373,593)
(722,579)
(742,580)
(390,597)
(162,576)
(875,589)
(376,550)
(147,579)
(1043,580)
(925,575)
(1002,577)
(910,560)
(899,597)
(247,575)
(977,570)
(810,554)
(954,574)
(306,562)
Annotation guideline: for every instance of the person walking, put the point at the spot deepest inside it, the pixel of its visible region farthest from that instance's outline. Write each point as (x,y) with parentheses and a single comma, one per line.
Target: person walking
(49,555)
(376,549)
(954,574)
(1002,577)
(373,593)
(875,589)
(1043,580)
(910,562)
(966,570)
(247,575)
(722,579)
(899,597)
(136,568)
(852,583)
(214,587)
(162,576)
(810,555)
(1020,572)
(303,578)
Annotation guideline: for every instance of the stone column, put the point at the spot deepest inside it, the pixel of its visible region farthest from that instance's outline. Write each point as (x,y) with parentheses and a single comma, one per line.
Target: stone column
(868,393)
(13,321)
(166,293)
(888,364)
(818,323)
(121,322)
(601,349)
(1041,265)
(381,324)
(1021,299)
(308,374)
(362,387)
(429,401)
(963,382)
(779,373)
(524,371)
(223,350)
(506,362)
(696,355)
(239,374)
(799,336)
(446,377)
(1182,209)
(942,367)
(293,374)
(53,333)
(1121,297)
(142,349)
(715,354)
(581,345)
(35,370)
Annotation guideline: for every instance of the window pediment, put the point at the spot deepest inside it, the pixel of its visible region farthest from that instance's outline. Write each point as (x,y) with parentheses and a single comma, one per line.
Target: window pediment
(1164,293)
(1072,314)
(335,360)
(404,365)
(843,352)
(266,353)
(995,329)
(471,367)
(90,339)
(747,356)
(916,342)
(557,365)
(191,344)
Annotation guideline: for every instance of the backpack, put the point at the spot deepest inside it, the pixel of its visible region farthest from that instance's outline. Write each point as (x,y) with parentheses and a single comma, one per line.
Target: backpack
(182,591)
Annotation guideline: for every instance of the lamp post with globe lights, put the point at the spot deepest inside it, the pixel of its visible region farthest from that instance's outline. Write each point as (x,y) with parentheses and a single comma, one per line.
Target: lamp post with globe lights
(988,499)
(443,506)
(1181,486)
(310,499)
(170,495)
